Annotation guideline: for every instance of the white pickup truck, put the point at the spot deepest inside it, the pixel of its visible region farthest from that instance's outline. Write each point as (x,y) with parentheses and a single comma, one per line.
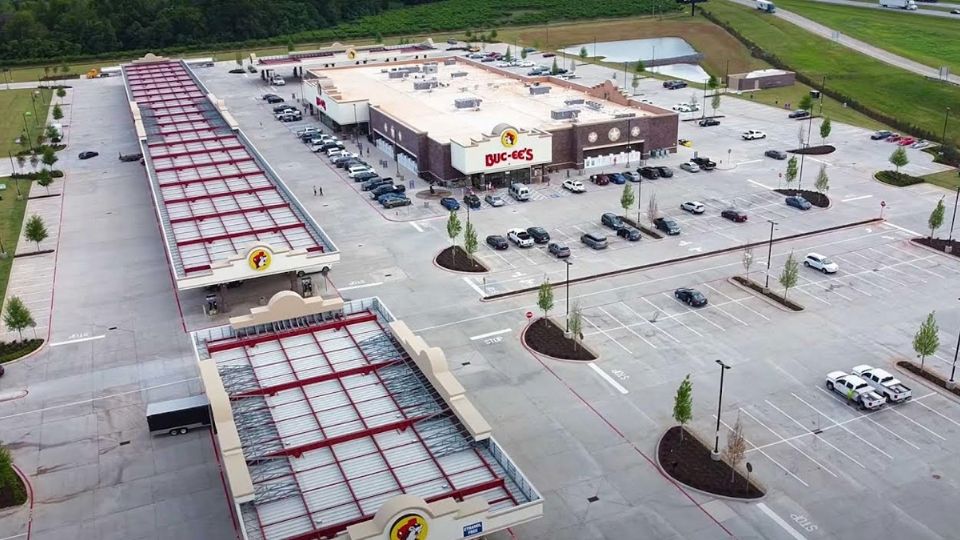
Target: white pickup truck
(854,389)
(883,382)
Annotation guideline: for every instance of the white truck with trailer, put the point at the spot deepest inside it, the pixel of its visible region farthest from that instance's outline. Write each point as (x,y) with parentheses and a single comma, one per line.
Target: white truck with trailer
(883,382)
(900,4)
(854,389)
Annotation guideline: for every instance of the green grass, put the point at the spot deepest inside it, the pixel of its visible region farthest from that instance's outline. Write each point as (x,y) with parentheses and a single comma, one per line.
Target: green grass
(947,179)
(14,103)
(831,107)
(898,94)
(11,221)
(934,41)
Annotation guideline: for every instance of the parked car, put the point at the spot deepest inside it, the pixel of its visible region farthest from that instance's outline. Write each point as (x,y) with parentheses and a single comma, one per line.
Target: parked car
(302,132)
(906,141)
(354,170)
(494,200)
(573,186)
(345,158)
(450,204)
(539,234)
(667,225)
(472,200)
(385,189)
(364,176)
(395,200)
(278,81)
(799,113)
(775,154)
(632,176)
(690,297)
(753,134)
(707,122)
(88,154)
(664,171)
(883,383)
(374,183)
(612,221)
(617,178)
(559,251)
(674,84)
(630,233)
(821,263)
(290,116)
(690,166)
(497,242)
(520,237)
(705,163)
(737,216)
(854,389)
(650,173)
(282,108)
(594,240)
(686,107)
(272,98)
(268,96)
(600,179)
(880,135)
(694,207)
(955,11)
(894,137)
(797,201)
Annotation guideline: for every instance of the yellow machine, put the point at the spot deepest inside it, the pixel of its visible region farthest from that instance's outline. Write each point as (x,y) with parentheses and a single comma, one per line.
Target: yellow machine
(93,73)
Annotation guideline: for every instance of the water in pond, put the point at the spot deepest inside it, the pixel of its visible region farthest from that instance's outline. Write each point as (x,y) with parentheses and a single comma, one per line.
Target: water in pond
(631,50)
(687,72)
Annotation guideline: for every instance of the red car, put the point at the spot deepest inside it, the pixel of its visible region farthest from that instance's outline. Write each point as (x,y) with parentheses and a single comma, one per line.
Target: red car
(906,141)
(734,215)
(600,179)
(893,138)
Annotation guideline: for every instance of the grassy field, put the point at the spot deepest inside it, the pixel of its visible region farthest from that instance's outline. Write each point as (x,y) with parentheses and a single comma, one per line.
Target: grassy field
(831,107)
(873,84)
(14,103)
(11,220)
(948,179)
(933,41)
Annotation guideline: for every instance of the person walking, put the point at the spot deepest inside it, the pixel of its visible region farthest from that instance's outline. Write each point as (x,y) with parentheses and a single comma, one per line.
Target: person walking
(314,191)
(321,191)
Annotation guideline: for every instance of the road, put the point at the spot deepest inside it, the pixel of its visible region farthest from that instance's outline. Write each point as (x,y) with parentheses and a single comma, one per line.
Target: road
(855,44)
(921,11)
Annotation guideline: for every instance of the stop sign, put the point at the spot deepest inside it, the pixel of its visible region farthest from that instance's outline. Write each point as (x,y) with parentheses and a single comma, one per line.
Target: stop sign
(529,315)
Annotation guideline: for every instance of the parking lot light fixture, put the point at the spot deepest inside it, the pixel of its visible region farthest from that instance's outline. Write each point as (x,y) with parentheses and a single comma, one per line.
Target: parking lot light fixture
(566,328)
(946,116)
(951,384)
(766,284)
(954,219)
(715,455)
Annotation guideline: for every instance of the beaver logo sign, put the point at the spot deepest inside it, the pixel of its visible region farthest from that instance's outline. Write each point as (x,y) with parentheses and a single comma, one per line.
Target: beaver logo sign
(259,259)
(509,138)
(409,527)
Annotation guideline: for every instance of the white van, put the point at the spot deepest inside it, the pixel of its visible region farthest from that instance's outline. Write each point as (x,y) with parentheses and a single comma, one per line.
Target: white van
(519,192)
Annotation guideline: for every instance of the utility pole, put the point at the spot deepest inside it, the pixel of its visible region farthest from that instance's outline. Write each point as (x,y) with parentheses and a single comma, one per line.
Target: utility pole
(954,219)
(566,328)
(766,284)
(715,455)
(946,116)
(951,384)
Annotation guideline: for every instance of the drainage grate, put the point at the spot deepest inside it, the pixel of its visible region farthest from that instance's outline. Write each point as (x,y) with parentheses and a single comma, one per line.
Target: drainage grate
(123,443)
(465,364)
(112,328)
(593,499)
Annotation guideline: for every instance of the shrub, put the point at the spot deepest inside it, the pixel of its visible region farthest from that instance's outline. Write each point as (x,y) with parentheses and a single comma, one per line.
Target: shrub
(897,179)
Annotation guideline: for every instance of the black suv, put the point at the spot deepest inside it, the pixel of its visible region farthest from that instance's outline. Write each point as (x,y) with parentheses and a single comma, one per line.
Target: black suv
(649,172)
(704,163)
(375,182)
(539,235)
(674,85)
(690,297)
(665,172)
(707,122)
(471,200)
(611,220)
(629,233)
(667,225)
(386,188)
(497,242)
(364,176)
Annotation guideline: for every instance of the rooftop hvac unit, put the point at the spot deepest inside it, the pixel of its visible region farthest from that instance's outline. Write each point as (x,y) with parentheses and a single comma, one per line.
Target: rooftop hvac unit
(456,74)
(467,103)
(564,114)
(576,101)
(539,90)
(397,75)
(430,68)
(425,85)
(594,105)
(449,61)
(625,115)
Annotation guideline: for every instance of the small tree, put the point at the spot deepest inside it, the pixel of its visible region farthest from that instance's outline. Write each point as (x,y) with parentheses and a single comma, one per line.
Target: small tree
(16,316)
(936,218)
(806,102)
(57,112)
(64,68)
(49,157)
(44,179)
(52,132)
(36,230)
(747,259)
(825,128)
(523,53)
(508,57)
(9,480)
(21,160)
(34,160)
(238,58)
(470,244)
(378,37)
(715,102)
(61,92)
(453,230)
(683,404)
(493,34)
(822,184)
(635,83)
(712,83)
(802,135)
(627,198)
(639,67)
(927,339)
(583,53)
(575,324)
(554,69)
(899,158)
(789,274)
(653,211)
(545,298)
(791,173)
(736,448)
(290,45)
(693,101)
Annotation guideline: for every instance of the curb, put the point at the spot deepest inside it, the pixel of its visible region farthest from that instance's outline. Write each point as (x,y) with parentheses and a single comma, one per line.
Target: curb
(914,377)
(656,457)
(913,241)
(30,354)
(523,341)
(461,272)
(29,486)
(763,297)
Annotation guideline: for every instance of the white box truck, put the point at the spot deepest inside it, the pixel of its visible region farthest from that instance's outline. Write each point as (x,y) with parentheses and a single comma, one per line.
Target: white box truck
(900,4)
(766,7)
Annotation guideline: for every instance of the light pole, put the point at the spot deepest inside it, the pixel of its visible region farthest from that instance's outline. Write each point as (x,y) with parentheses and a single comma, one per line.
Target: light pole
(946,116)
(954,219)
(803,155)
(639,194)
(766,284)
(33,99)
(951,383)
(27,129)
(715,455)
(566,328)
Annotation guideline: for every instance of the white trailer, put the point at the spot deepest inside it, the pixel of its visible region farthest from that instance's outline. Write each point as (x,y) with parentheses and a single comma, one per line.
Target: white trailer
(766,6)
(899,4)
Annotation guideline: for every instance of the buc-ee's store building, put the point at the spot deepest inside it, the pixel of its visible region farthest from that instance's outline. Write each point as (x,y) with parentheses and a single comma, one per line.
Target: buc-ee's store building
(457,121)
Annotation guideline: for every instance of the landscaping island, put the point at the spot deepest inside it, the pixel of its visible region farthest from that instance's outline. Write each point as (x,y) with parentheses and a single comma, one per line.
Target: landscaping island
(689,462)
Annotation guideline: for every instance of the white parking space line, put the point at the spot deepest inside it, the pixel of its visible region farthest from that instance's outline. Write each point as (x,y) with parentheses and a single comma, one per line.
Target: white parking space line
(856,198)
(614,319)
(918,424)
(738,301)
(811,295)
(910,263)
(947,418)
(608,378)
(644,319)
(861,273)
(790,444)
(490,334)
(843,427)
(832,289)
(876,272)
(759,184)
(828,443)
(779,521)
(766,455)
(656,307)
(362,286)
(78,340)
(895,269)
(608,336)
(473,286)
(691,310)
(415,226)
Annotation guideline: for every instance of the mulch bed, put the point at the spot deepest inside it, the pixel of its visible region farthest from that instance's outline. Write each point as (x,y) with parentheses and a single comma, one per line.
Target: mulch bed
(11,350)
(894,178)
(438,193)
(653,233)
(547,338)
(940,244)
(461,262)
(926,374)
(817,199)
(754,286)
(815,150)
(689,462)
